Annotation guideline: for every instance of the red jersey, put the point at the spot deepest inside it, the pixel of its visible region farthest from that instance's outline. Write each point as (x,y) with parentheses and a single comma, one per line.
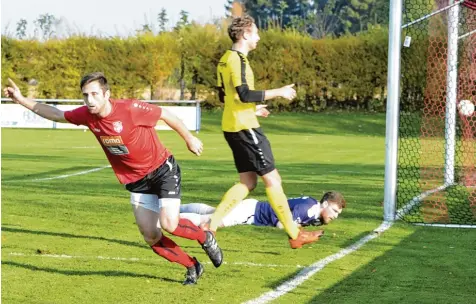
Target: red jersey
(127,136)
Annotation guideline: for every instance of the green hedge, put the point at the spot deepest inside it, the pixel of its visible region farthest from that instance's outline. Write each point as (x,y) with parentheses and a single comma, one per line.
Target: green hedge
(348,72)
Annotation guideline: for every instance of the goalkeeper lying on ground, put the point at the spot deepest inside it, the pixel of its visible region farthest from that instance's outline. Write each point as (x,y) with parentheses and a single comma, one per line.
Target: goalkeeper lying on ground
(306,211)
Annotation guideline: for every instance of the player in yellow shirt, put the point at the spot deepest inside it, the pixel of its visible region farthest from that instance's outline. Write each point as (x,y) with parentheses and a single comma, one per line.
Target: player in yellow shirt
(251,149)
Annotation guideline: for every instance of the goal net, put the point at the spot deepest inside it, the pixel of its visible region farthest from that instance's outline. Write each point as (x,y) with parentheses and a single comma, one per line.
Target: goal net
(436,172)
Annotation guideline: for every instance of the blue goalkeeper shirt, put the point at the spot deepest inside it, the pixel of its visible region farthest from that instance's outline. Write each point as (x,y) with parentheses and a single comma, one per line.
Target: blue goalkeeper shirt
(305,210)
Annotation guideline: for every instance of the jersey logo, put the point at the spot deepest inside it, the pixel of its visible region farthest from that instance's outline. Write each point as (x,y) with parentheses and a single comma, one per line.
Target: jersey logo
(114,144)
(117,125)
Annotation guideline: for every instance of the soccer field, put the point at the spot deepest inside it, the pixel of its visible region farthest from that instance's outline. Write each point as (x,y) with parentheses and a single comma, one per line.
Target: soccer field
(68,232)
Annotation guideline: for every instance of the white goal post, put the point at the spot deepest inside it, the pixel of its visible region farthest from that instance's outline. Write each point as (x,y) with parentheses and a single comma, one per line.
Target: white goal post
(429,146)
(393,103)
(17,116)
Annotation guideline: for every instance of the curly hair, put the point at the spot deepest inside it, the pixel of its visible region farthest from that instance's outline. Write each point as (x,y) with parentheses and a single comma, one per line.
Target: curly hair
(238,27)
(334,197)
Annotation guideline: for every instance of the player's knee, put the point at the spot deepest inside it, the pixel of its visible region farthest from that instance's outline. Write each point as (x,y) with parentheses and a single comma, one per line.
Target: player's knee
(272,179)
(251,185)
(151,237)
(169,224)
(272,182)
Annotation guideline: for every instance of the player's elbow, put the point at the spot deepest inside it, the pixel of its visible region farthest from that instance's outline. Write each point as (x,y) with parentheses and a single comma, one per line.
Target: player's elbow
(247,95)
(55,115)
(59,117)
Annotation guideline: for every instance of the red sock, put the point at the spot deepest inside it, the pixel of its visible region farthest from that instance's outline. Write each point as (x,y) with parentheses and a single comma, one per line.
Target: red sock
(188,230)
(167,249)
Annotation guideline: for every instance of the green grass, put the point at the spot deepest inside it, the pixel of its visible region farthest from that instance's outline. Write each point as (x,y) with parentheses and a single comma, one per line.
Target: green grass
(89,216)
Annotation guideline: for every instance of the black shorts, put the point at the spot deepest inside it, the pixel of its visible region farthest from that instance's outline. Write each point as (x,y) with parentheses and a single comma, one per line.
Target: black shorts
(163,181)
(251,151)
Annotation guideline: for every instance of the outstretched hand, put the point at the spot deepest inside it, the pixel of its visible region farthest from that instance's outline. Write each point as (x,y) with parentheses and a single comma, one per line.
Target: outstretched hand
(195,145)
(288,92)
(12,91)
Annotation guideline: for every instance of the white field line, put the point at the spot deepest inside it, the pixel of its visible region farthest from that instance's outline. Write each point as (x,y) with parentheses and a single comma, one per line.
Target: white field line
(65,256)
(309,271)
(417,200)
(446,225)
(60,176)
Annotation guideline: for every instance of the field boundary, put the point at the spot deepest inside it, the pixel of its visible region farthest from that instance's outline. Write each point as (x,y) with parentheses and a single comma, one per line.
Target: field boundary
(158,259)
(58,176)
(309,271)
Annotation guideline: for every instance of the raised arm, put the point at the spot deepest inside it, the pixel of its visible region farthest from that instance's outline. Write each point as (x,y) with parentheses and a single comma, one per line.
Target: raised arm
(287,92)
(247,95)
(194,144)
(236,68)
(46,111)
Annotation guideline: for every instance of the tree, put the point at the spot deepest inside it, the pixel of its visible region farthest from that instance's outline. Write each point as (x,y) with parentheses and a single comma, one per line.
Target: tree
(357,15)
(183,21)
(21,29)
(282,6)
(180,28)
(379,13)
(277,12)
(46,23)
(162,19)
(260,10)
(146,27)
(323,22)
(228,6)
(318,18)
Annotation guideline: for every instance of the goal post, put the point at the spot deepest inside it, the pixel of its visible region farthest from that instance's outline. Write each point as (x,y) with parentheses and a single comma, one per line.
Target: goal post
(393,102)
(430,147)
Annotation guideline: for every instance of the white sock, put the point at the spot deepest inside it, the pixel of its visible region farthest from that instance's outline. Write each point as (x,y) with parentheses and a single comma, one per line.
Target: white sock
(198,208)
(193,217)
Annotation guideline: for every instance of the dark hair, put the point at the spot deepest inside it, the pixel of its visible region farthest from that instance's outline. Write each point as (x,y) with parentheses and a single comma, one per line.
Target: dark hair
(334,197)
(238,27)
(95,76)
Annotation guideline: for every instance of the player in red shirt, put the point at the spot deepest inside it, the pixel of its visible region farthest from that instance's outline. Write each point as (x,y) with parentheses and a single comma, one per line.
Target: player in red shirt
(125,131)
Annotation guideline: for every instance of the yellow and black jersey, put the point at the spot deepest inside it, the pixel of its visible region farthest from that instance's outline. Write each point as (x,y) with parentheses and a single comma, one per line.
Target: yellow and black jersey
(235,82)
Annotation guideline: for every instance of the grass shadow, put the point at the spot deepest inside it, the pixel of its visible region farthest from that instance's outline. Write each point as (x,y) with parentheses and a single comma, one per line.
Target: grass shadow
(73,236)
(111,273)
(436,271)
(329,123)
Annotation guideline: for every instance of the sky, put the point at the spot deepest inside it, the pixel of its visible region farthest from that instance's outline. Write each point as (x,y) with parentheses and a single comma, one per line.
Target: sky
(109,17)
